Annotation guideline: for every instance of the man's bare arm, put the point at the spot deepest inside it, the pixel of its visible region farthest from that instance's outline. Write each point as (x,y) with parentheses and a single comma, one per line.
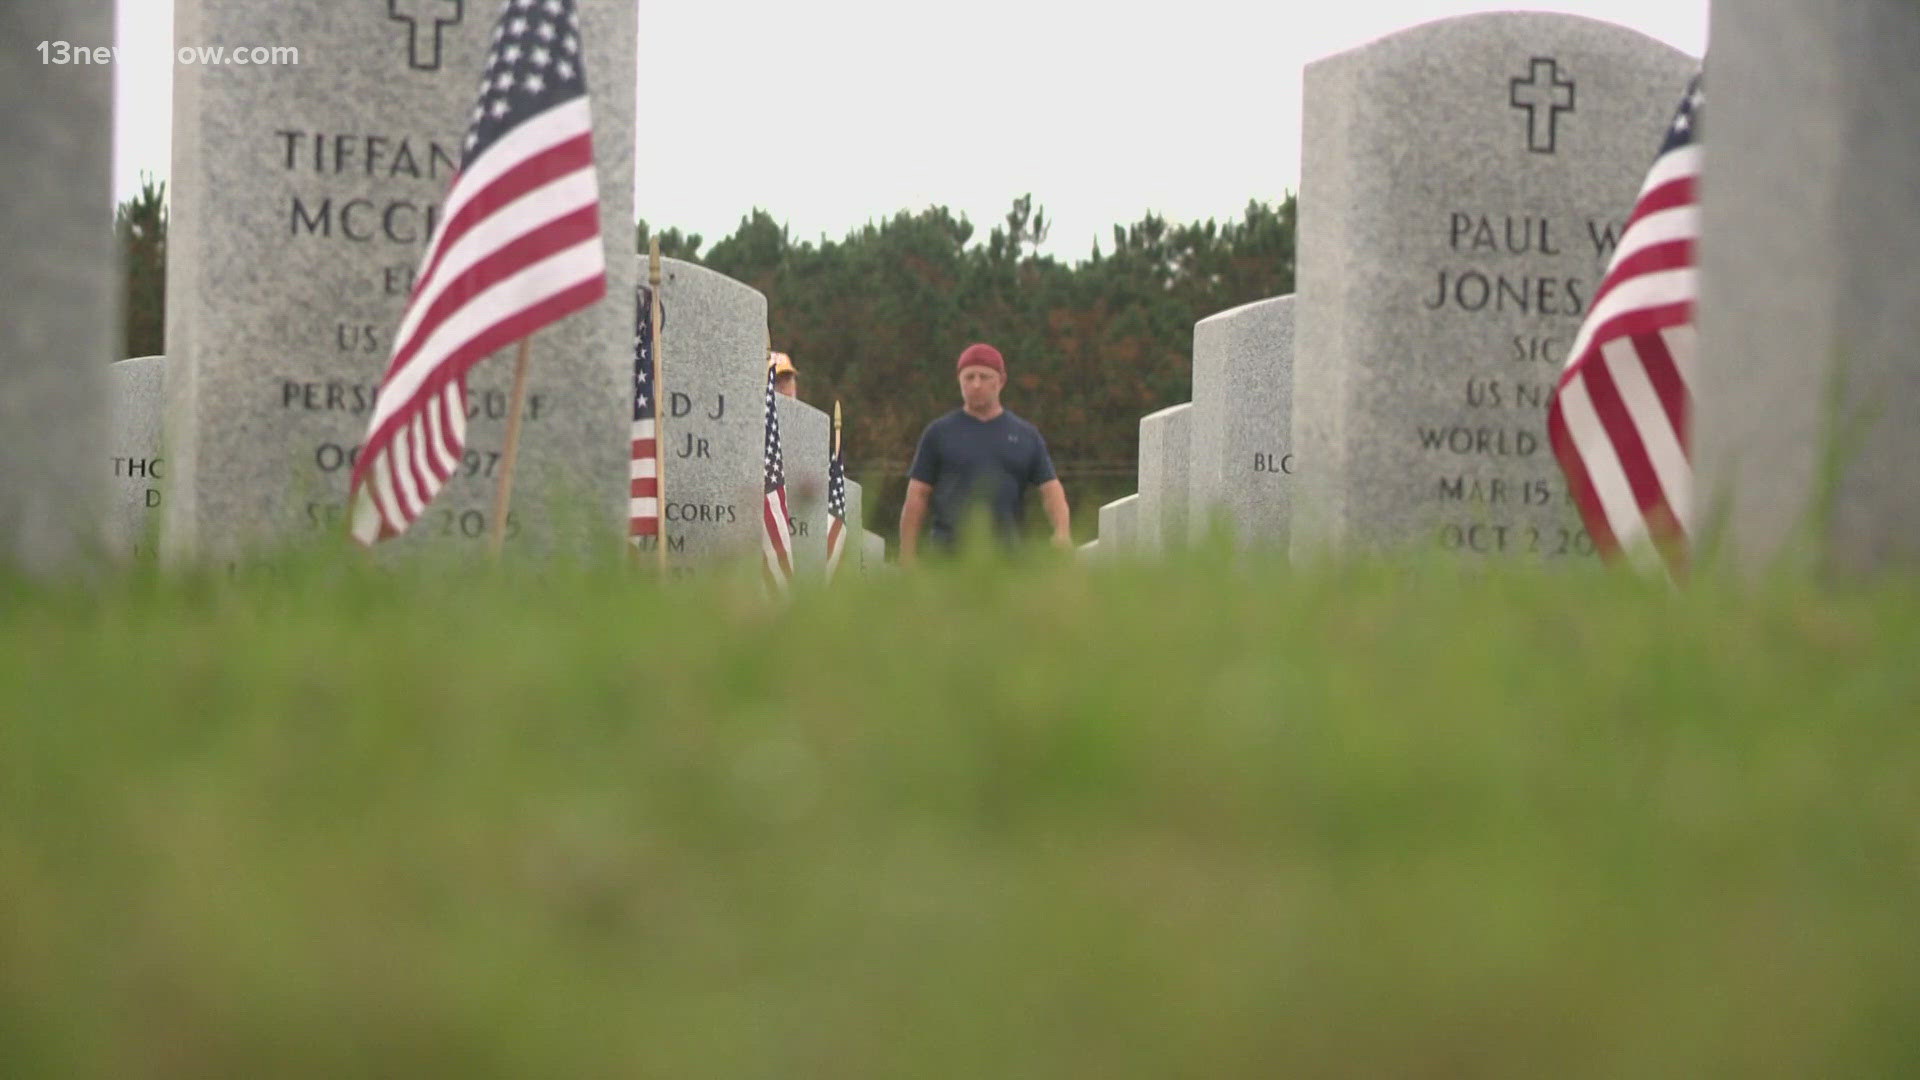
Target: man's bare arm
(913,514)
(1053,498)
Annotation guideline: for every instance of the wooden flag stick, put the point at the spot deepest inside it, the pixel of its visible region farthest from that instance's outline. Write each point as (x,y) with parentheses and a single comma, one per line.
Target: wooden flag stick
(659,407)
(503,494)
(836,427)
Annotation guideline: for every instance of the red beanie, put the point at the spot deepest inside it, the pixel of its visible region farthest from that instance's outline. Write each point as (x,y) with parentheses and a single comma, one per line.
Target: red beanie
(982,355)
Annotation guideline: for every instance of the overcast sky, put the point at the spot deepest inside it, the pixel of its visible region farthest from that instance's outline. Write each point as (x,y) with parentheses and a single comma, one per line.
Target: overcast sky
(834,112)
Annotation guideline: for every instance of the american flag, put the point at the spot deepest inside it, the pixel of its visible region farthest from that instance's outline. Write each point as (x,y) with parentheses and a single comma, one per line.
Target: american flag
(776,542)
(836,506)
(643,514)
(518,248)
(1618,419)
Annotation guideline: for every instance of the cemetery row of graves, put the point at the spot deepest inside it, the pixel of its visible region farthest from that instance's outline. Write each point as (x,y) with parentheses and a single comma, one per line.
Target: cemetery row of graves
(1465,184)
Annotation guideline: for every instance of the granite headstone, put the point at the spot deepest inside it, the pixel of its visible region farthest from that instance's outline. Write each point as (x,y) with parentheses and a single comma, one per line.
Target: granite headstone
(58,284)
(304,195)
(805,435)
(137,449)
(855,508)
(873,552)
(1806,423)
(1463,184)
(713,342)
(1242,465)
(1119,522)
(1165,443)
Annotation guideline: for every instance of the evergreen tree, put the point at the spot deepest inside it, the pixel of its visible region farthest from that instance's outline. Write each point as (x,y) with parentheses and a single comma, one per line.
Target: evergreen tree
(140,227)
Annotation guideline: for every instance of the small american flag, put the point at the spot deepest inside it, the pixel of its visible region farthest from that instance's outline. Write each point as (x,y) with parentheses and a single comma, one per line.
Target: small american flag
(1618,419)
(518,248)
(644,499)
(836,507)
(776,542)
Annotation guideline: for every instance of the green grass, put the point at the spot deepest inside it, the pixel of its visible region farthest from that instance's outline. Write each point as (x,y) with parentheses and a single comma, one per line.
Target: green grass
(1015,822)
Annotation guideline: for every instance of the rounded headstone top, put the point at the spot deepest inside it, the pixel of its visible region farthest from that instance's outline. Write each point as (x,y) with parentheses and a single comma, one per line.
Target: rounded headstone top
(139,379)
(139,364)
(1515,25)
(795,405)
(684,275)
(1168,413)
(1255,309)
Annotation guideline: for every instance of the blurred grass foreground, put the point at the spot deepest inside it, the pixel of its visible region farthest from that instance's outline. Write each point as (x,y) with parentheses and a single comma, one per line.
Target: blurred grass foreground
(1031,821)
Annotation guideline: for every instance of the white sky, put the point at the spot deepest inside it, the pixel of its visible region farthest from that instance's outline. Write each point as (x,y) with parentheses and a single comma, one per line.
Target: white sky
(833,112)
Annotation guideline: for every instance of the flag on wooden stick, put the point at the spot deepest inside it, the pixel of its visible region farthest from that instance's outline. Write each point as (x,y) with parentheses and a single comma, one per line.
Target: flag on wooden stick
(1618,419)
(836,499)
(643,499)
(776,540)
(518,248)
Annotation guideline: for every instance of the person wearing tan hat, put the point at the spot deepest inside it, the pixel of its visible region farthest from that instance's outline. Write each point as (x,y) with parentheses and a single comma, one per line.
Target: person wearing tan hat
(979,455)
(786,377)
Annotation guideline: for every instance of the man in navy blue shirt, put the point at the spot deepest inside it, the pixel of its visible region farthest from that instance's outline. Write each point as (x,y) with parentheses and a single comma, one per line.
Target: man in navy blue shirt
(979,455)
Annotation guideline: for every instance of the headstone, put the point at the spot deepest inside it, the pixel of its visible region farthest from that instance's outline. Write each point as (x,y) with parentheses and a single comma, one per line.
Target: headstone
(1806,423)
(1165,442)
(873,552)
(58,286)
(1463,183)
(713,343)
(856,511)
(805,434)
(137,402)
(1118,525)
(303,199)
(1090,550)
(1242,468)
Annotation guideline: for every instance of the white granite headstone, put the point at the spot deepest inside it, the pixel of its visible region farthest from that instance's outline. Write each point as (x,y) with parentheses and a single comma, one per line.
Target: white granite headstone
(1119,524)
(303,198)
(59,321)
(1242,468)
(1463,184)
(1165,443)
(713,345)
(137,449)
(1807,398)
(805,435)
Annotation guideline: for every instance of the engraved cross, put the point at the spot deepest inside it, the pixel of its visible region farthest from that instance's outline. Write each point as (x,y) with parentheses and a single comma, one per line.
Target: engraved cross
(1545,95)
(425,19)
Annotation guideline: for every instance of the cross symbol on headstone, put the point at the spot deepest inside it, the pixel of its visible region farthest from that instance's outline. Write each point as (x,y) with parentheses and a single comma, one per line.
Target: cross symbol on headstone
(425,19)
(1545,96)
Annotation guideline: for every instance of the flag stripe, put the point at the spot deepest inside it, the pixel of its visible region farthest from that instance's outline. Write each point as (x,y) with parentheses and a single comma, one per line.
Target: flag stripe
(568,280)
(1649,427)
(452,278)
(1662,376)
(1611,497)
(1630,305)
(502,333)
(504,272)
(558,126)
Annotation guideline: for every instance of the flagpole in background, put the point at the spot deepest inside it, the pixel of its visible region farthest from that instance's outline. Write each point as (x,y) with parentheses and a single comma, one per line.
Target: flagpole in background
(659,414)
(503,493)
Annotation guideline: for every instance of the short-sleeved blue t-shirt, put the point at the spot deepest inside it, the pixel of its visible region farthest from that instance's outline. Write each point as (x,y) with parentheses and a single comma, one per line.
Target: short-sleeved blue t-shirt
(969,461)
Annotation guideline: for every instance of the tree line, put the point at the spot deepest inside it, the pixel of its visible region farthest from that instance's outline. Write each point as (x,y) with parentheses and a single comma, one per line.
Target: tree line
(876,319)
